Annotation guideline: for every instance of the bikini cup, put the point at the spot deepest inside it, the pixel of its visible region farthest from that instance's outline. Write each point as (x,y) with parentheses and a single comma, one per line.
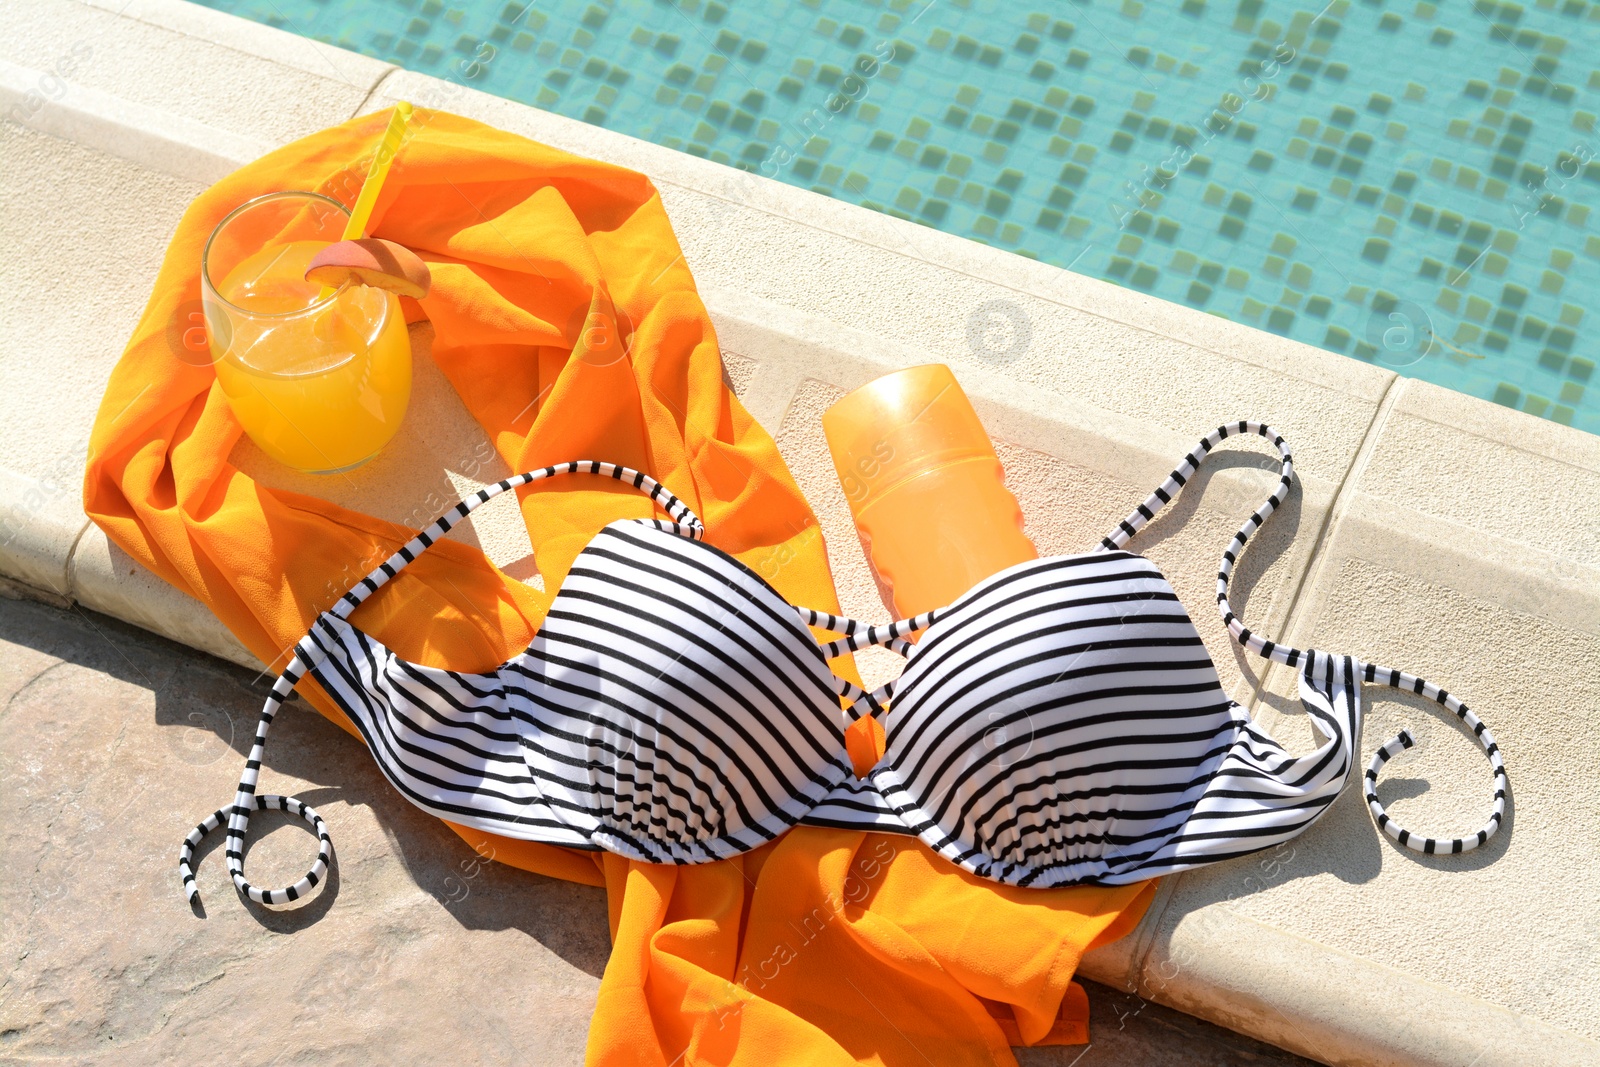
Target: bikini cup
(1061,723)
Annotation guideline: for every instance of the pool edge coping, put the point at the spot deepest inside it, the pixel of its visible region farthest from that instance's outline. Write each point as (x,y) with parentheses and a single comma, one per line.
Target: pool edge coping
(1231,990)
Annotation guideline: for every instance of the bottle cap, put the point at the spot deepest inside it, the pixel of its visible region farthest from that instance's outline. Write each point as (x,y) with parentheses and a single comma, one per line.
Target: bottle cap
(899,426)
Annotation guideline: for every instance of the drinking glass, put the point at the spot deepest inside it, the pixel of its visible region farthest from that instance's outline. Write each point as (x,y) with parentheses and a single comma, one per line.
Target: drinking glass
(318,378)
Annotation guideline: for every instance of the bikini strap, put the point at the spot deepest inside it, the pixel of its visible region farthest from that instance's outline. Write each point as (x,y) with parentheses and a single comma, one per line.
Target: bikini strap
(859,635)
(246,800)
(1411,683)
(1287,654)
(1174,484)
(684,521)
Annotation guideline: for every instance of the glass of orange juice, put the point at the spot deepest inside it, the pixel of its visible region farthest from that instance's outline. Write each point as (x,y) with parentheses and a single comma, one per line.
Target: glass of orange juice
(319,379)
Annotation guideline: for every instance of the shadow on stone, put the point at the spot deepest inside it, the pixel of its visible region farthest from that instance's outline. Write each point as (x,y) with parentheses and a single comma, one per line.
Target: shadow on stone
(1401,789)
(1237,503)
(1363,848)
(206,710)
(1125,1028)
(264,824)
(569,919)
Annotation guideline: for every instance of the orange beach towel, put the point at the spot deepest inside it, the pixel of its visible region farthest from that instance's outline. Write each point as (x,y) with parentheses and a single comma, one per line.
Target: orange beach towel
(567,320)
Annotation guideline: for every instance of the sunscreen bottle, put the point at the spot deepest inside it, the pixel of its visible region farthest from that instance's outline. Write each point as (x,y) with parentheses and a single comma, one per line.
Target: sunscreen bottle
(925,487)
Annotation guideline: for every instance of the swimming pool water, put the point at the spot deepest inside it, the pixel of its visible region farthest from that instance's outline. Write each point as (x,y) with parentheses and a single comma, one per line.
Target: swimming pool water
(1408,183)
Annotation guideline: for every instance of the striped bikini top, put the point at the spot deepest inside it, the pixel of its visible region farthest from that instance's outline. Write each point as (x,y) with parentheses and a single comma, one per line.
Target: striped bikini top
(1061,723)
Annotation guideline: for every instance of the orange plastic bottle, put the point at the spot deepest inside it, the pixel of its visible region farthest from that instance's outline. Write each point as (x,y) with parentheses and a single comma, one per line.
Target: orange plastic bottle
(925,487)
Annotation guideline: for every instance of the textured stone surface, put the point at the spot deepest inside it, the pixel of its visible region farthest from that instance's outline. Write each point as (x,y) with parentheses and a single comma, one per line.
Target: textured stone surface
(1463,551)
(269,85)
(415,952)
(1407,539)
(95,244)
(116,743)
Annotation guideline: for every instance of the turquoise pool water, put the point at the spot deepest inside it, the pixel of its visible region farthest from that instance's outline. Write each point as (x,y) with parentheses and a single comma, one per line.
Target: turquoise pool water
(1408,183)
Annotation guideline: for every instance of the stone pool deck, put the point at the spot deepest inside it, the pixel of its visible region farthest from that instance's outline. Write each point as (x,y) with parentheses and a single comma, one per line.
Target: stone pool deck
(1428,530)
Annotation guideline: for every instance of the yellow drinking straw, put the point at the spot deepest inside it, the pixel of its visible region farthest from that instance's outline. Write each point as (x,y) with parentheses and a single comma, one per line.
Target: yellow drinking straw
(357,226)
(387,148)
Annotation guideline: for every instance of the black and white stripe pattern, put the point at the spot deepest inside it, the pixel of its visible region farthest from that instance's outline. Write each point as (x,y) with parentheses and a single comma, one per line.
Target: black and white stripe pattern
(1061,723)
(859,635)
(1402,741)
(1052,729)
(247,800)
(1292,656)
(683,711)
(450,743)
(1174,484)
(857,804)
(461,759)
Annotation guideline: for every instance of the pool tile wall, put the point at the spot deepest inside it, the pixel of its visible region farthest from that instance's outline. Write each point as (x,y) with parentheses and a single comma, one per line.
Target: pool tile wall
(1408,183)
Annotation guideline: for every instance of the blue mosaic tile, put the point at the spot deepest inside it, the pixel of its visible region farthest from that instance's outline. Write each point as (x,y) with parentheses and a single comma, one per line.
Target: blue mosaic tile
(1408,183)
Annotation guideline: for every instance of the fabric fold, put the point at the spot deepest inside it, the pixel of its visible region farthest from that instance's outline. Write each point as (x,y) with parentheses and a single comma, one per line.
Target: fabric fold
(565,317)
